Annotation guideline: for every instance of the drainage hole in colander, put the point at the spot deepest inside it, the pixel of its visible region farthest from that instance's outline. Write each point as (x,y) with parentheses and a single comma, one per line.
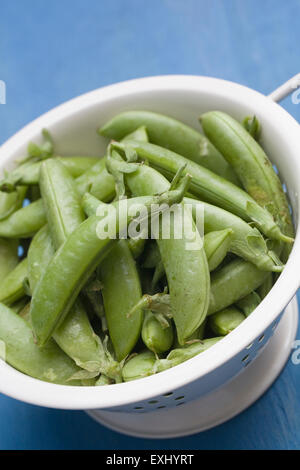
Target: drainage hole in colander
(168,394)
(261,338)
(152,402)
(182,403)
(179,398)
(250,346)
(245,359)
(138,408)
(160,407)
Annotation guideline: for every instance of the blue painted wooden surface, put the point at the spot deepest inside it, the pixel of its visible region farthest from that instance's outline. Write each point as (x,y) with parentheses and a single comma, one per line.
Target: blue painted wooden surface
(53,51)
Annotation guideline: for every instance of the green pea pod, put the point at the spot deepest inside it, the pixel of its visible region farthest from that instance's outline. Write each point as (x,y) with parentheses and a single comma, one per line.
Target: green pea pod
(103,380)
(8,257)
(139,366)
(61,200)
(186,269)
(246,242)
(12,287)
(177,356)
(18,349)
(250,163)
(209,187)
(249,303)
(139,133)
(225,321)
(233,282)
(40,253)
(29,174)
(198,334)
(121,291)
(216,245)
(155,337)
(75,261)
(19,305)
(10,202)
(25,222)
(252,125)
(136,246)
(266,286)
(172,134)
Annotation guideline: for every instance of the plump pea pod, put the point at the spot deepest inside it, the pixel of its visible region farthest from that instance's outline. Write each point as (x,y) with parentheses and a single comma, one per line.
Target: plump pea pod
(90,205)
(249,303)
(216,245)
(225,321)
(25,222)
(197,335)
(139,366)
(61,200)
(154,336)
(121,290)
(171,134)
(177,356)
(250,163)
(10,202)
(29,174)
(8,257)
(266,286)
(12,287)
(40,253)
(75,261)
(247,242)
(186,269)
(18,349)
(209,187)
(233,282)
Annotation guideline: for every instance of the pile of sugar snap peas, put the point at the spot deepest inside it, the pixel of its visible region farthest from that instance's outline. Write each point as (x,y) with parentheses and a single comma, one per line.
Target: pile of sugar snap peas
(79,310)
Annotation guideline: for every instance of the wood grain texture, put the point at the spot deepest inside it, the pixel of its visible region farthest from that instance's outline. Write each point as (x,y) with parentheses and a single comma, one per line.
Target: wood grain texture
(53,51)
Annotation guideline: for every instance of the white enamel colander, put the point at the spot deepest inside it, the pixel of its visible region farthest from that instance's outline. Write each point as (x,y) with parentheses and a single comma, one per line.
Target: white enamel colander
(218,372)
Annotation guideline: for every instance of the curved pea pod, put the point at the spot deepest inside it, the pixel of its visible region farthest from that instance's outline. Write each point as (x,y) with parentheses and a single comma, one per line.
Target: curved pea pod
(97,181)
(183,258)
(250,163)
(121,291)
(139,366)
(40,253)
(252,125)
(154,336)
(208,186)
(18,349)
(76,260)
(61,200)
(136,246)
(233,282)
(246,242)
(12,287)
(197,335)
(249,303)
(216,245)
(225,321)
(10,202)
(171,134)
(8,257)
(179,355)
(266,286)
(25,222)
(140,134)
(29,174)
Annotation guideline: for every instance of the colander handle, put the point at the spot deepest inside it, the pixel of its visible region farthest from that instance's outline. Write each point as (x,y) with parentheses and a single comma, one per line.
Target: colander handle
(285,89)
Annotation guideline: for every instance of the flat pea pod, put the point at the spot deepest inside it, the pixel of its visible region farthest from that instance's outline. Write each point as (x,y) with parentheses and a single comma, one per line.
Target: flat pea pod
(90,205)
(12,287)
(25,222)
(61,200)
(155,337)
(8,257)
(121,291)
(233,282)
(49,364)
(179,355)
(139,366)
(247,242)
(216,245)
(249,303)
(75,261)
(209,187)
(225,321)
(186,269)
(29,174)
(171,134)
